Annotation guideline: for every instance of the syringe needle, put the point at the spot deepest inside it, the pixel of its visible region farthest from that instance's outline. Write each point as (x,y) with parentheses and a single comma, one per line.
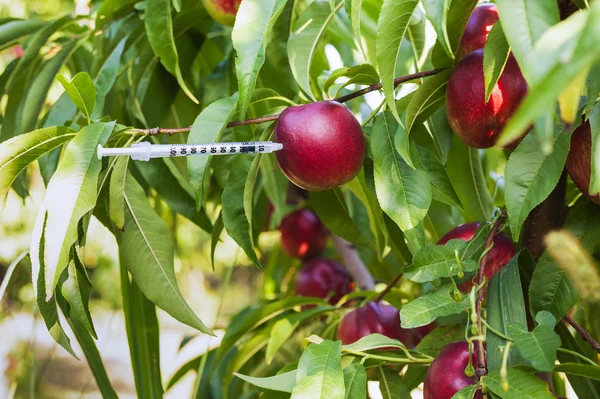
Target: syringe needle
(144,151)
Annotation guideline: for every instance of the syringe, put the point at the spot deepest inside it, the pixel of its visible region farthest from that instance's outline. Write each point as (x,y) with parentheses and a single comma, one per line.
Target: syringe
(144,151)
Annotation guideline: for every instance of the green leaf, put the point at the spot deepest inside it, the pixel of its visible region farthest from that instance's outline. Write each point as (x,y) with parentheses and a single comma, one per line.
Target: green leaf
(428,307)
(467,392)
(441,187)
(216,235)
(374,341)
(524,23)
(172,186)
(285,327)
(34,45)
(427,98)
(12,31)
(439,261)
(116,201)
(77,290)
(592,86)
(36,96)
(70,195)
(543,130)
(304,38)
(237,203)
(521,385)
(364,74)
(275,185)
(281,382)
(359,188)
(594,120)
(355,381)
(540,345)
(433,342)
(90,350)
(495,55)
(505,306)
(159,29)
(550,288)
(564,52)
(466,174)
(437,14)
(141,325)
(584,387)
(107,76)
(531,175)
(353,9)
(48,309)
(253,25)
(319,374)
(581,370)
(403,193)
(208,128)
(392,386)
(9,273)
(391,28)
(257,314)
(20,151)
(331,207)
(82,91)
(146,249)
(458,16)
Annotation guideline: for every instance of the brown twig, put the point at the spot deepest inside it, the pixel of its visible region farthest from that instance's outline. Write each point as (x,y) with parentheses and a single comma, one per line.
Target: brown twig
(347,97)
(584,334)
(387,289)
(160,130)
(481,368)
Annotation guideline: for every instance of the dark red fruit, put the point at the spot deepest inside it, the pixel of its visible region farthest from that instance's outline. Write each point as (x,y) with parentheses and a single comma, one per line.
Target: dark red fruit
(323,278)
(478,28)
(303,235)
(323,145)
(579,160)
(373,318)
(476,123)
(498,257)
(446,375)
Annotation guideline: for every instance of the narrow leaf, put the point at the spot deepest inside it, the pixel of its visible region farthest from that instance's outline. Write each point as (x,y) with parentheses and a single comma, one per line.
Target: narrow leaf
(427,98)
(437,14)
(403,193)
(441,187)
(252,29)
(355,381)
(77,290)
(495,55)
(428,307)
(82,91)
(70,195)
(319,374)
(159,28)
(13,30)
(392,386)
(466,174)
(116,201)
(594,120)
(20,151)
(146,249)
(281,382)
(521,385)
(391,28)
(208,128)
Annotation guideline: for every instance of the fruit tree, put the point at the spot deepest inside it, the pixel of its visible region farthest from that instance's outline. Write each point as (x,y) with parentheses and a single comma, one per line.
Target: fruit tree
(430,226)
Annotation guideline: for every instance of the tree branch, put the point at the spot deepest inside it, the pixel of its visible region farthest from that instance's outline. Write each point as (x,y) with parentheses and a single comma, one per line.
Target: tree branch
(584,334)
(387,289)
(481,368)
(353,263)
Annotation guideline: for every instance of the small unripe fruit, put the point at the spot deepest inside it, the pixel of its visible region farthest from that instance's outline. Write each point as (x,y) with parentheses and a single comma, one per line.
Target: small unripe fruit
(579,160)
(303,235)
(498,257)
(478,28)
(222,11)
(323,145)
(323,278)
(477,123)
(446,375)
(373,318)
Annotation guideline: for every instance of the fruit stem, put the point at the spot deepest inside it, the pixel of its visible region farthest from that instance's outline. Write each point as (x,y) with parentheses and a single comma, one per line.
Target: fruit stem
(579,355)
(353,263)
(481,368)
(387,289)
(584,334)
